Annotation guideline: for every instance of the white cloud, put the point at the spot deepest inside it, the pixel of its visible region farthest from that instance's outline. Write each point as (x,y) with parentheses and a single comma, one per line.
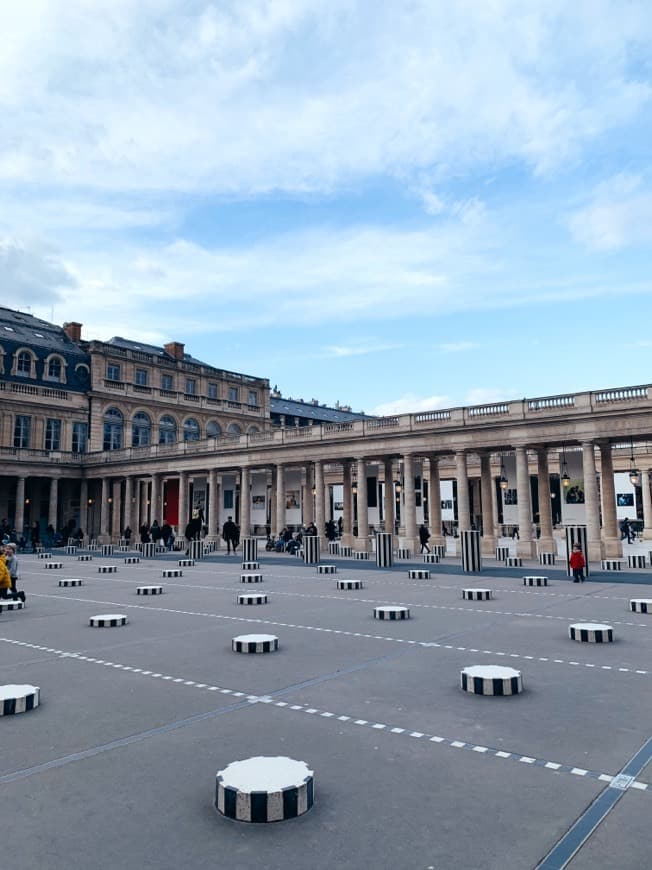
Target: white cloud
(337,350)
(32,272)
(619,215)
(410,404)
(264,96)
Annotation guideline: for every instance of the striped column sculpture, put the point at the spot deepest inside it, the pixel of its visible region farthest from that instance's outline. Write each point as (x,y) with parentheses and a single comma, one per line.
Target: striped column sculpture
(576,535)
(310,549)
(249,549)
(546,558)
(502,553)
(149,549)
(384,549)
(195,549)
(591,632)
(491,680)
(264,789)
(18,699)
(640,605)
(470,544)
(476,594)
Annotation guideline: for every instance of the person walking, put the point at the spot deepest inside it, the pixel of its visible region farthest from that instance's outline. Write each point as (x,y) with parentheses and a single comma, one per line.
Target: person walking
(424,537)
(11,561)
(577,564)
(230,535)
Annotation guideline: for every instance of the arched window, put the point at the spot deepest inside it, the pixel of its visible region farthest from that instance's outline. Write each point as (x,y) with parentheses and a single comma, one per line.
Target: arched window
(141,430)
(213,429)
(24,364)
(167,430)
(191,430)
(233,429)
(252,430)
(54,369)
(113,429)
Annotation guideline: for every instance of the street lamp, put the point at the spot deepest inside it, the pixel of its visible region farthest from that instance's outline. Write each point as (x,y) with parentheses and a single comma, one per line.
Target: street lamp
(503,483)
(634,473)
(565,477)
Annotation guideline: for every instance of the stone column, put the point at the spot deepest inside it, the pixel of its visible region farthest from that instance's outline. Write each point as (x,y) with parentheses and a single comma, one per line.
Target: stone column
(362,541)
(128,507)
(143,513)
(494,508)
(525,546)
(156,512)
(411,535)
(308,499)
(647,505)
(546,542)
(104,512)
(434,502)
(19,514)
(388,502)
(183,503)
(83,506)
(52,506)
(613,548)
(213,534)
(280,498)
(115,512)
(488,540)
(591,503)
(320,511)
(463,508)
(347,505)
(245,503)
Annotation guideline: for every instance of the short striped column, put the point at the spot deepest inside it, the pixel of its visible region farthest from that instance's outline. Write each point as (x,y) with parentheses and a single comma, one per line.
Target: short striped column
(107,569)
(148,550)
(264,789)
(195,549)
(85,557)
(327,569)
(640,605)
(431,558)
(502,553)
(54,565)
(438,550)
(491,680)
(18,699)
(591,632)
(70,549)
(108,549)
(514,562)
(132,560)
(333,548)
(252,598)
(535,581)
(249,549)
(310,549)
(10,604)
(123,548)
(93,546)
(346,551)
(149,590)
(402,552)
(255,643)
(250,566)
(349,584)
(71,581)
(546,558)
(418,574)
(361,555)
(171,572)
(470,545)
(636,560)
(43,555)
(476,594)
(612,565)
(384,549)
(251,577)
(107,620)
(186,563)
(576,535)
(391,611)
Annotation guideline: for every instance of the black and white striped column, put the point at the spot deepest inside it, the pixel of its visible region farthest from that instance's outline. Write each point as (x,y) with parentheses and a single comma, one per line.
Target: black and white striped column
(250,566)
(470,545)
(254,643)
(132,560)
(43,555)
(252,598)
(249,549)
(10,604)
(640,605)
(476,594)
(85,557)
(310,549)
(591,632)
(546,558)
(349,584)
(195,549)
(535,581)
(502,553)
(18,699)
(576,535)
(149,590)
(514,562)
(107,620)
(107,569)
(251,577)
(148,550)
(612,564)
(333,548)
(54,565)
(186,563)
(491,680)
(636,560)
(418,574)
(391,611)
(71,582)
(327,569)
(172,572)
(384,549)
(438,550)
(108,549)
(431,558)
(346,551)
(264,789)
(402,553)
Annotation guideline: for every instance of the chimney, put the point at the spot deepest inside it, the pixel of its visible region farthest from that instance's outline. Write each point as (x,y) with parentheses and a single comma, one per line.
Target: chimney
(73,331)
(175,349)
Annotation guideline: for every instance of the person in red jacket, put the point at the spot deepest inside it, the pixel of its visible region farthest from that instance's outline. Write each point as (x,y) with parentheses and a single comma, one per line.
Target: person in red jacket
(577,563)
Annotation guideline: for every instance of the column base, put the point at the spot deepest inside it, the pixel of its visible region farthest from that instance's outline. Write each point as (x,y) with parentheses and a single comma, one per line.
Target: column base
(347,540)
(488,545)
(613,548)
(526,549)
(596,550)
(437,541)
(546,545)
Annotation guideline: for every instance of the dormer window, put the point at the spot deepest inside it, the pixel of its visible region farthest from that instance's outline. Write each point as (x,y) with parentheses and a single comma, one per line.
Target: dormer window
(24,364)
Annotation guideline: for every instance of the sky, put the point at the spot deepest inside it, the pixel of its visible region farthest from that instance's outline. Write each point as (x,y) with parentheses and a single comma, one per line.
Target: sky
(399,206)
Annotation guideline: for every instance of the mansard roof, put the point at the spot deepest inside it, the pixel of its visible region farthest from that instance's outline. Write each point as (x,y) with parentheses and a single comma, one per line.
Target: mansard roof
(312,411)
(20,328)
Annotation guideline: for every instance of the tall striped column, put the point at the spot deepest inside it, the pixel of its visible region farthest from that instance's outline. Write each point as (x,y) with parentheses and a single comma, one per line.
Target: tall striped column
(384,549)
(195,549)
(320,513)
(470,544)
(249,549)
(576,535)
(245,503)
(311,549)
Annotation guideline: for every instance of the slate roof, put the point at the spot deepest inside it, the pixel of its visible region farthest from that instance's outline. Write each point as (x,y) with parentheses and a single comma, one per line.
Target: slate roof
(313,412)
(19,327)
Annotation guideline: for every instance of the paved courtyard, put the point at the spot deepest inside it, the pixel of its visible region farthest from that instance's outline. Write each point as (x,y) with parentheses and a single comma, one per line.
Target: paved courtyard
(116,767)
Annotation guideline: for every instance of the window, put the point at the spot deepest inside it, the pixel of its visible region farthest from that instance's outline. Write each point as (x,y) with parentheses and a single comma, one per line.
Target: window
(234,429)
(141,430)
(212,391)
(191,386)
(54,369)
(24,364)
(52,434)
(253,397)
(191,430)
(141,377)
(22,427)
(79,437)
(213,429)
(167,430)
(113,372)
(233,394)
(113,429)
(166,382)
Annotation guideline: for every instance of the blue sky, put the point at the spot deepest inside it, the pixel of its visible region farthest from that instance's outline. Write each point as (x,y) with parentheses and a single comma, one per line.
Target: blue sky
(399,206)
